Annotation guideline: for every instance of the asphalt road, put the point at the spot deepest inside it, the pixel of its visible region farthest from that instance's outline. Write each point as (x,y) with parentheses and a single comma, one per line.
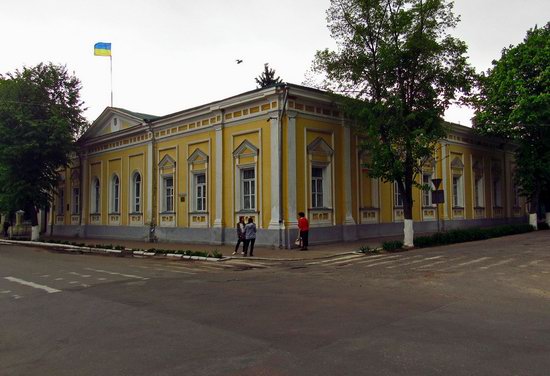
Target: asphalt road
(479,308)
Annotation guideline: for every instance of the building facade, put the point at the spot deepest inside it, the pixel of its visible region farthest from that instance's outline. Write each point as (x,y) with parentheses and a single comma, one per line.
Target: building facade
(266,154)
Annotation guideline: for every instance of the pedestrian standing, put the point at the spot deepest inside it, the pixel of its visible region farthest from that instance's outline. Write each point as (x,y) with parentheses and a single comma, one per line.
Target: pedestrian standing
(249,236)
(303,225)
(240,235)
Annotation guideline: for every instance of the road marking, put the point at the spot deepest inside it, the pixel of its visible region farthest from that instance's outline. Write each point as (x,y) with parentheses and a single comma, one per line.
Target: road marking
(372,259)
(438,262)
(115,273)
(335,260)
(381,263)
(73,282)
(174,271)
(532,263)
(59,279)
(102,279)
(32,284)
(497,263)
(413,262)
(16,296)
(45,276)
(6,291)
(80,275)
(481,259)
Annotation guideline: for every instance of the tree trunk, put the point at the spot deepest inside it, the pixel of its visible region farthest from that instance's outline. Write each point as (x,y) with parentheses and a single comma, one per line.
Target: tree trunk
(35,234)
(533,208)
(408,230)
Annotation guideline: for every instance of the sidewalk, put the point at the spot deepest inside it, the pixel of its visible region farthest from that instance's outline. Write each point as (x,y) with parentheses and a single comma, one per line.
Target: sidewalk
(260,252)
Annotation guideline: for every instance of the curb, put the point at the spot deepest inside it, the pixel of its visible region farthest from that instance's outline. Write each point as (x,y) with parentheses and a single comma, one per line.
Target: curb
(172,256)
(116,252)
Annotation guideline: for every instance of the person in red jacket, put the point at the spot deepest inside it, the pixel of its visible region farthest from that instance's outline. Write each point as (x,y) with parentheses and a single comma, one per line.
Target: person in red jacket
(303,225)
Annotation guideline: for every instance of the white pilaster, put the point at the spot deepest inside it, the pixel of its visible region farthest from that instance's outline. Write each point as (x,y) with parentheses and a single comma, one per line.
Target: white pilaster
(218,220)
(84,195)
(275,171)
(347,177)
(290,154)
(150,167)
(444,165)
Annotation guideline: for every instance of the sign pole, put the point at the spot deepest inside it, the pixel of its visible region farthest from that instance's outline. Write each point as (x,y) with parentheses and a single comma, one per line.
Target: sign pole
(111,59)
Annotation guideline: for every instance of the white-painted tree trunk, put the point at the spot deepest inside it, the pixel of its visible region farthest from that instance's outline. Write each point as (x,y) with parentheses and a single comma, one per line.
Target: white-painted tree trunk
(35,234)
(533,220)
(409,233)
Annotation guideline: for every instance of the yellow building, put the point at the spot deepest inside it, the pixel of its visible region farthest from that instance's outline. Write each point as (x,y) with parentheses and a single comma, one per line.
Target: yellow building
(189,176)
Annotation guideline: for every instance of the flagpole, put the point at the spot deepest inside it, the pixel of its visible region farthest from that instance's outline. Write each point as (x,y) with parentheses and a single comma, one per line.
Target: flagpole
(111,59)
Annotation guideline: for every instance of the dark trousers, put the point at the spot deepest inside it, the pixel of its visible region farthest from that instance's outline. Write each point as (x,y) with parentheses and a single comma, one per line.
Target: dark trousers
(247,243)
(305,238)
(239,241)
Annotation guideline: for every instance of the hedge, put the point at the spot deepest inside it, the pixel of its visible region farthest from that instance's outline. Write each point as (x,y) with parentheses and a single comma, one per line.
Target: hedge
(470,234)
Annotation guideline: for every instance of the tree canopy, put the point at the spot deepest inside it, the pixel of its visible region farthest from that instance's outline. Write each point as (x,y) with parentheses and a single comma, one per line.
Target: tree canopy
(513,102)
(40,118)
(267,77)
(401,67)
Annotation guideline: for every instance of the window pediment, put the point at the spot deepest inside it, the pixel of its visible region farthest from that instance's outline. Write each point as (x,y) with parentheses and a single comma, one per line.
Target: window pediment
(457,163)
(319,146)
(197,157)
(167,162)
(246,149)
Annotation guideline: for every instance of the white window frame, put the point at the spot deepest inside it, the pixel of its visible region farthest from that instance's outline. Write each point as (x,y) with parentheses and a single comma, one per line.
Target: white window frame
(252,183)
(497,192)
(397,196)
(200,192)
(458,190)
(76,200)
(427,194)
(95,196)
(167,194)
(318,196)
(137,191)
(479,191)
(61,201)
(115,194)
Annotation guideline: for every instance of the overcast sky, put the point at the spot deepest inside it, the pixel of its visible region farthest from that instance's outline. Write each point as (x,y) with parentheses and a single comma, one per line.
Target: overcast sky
(171,55)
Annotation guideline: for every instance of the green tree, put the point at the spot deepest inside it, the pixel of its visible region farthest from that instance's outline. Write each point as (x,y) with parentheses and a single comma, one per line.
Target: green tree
(402,69)
(513,102)
(267,77)
(40,118)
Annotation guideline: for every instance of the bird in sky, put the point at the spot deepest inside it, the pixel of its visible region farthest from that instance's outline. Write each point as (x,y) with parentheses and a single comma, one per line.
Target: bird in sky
(238,61)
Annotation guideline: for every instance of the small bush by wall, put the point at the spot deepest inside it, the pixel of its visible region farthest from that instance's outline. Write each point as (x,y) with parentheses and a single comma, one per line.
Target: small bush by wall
(468,235)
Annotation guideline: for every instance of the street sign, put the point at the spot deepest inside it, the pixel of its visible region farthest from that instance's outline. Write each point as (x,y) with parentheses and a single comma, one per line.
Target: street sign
(438,197)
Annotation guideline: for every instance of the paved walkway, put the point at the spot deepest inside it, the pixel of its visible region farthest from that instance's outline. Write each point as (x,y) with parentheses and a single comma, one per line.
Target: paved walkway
(313,252)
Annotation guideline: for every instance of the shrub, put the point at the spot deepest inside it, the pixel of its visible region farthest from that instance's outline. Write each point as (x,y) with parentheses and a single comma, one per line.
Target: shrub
(468,235)
(392,245)
(216,254)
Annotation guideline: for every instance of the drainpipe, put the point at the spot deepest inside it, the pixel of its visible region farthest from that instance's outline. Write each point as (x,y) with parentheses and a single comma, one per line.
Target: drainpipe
(282,111)
(154,183)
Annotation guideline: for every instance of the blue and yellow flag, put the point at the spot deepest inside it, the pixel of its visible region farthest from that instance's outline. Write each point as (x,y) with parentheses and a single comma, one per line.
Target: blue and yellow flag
(102,49)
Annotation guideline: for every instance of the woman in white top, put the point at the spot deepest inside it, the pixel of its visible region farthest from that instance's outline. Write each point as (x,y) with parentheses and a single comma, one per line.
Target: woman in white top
(249,236)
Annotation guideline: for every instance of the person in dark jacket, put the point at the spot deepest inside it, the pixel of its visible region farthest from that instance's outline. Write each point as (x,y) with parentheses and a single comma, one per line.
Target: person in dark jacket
(249,236)
(303,225)
(240,235)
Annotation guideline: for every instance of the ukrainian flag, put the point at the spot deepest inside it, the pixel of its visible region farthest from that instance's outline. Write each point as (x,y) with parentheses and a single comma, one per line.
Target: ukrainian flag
(102,49)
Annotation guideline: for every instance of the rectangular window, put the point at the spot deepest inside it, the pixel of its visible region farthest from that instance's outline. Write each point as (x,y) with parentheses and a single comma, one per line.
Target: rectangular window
(76,200)
(317,187)
(248,189)
(61,201)
(397,196)
(497,193)
(457,191)
(515,193)
(427,194)
(200,192)
(137,197)
(168,194)
(478,192)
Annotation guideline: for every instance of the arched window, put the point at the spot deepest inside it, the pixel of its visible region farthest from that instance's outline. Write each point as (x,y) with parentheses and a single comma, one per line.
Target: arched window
(96,196)
(136,193)
(115,194)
